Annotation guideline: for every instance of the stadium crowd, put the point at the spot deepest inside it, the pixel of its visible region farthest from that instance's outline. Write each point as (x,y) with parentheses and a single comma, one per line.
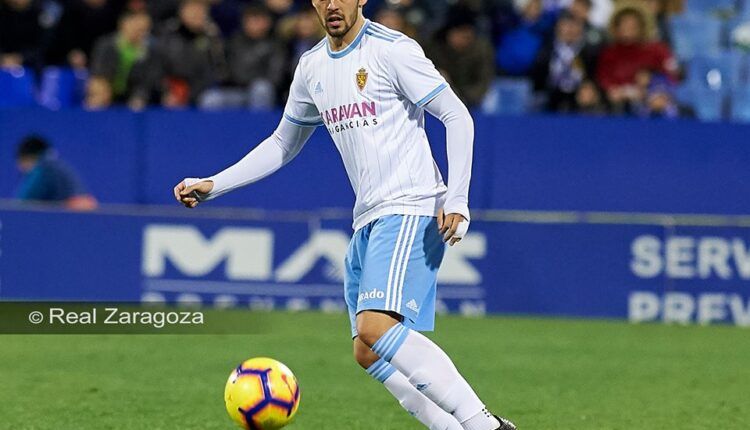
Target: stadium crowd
(588,56)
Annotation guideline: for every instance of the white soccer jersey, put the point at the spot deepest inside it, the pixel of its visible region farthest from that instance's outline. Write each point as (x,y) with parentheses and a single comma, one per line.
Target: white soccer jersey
(370,97)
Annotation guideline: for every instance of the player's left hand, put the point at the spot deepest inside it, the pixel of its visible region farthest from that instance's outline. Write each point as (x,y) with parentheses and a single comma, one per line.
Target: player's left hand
(453,227)
(188,191)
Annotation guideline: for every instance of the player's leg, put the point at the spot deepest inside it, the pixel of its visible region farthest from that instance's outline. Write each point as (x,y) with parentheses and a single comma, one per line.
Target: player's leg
(396,383)
(426,367)
(386,325)
(416,403)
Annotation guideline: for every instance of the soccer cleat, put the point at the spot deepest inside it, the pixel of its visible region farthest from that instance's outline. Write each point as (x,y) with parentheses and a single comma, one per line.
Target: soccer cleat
(505,424)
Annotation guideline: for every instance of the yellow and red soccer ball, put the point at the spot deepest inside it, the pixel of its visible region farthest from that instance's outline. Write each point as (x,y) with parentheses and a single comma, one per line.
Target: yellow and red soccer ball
(262,394)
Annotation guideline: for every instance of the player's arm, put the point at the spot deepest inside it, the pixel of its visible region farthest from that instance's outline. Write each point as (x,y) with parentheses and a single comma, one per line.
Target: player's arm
(453,219)
(268,157)
(301,117)
(416,77)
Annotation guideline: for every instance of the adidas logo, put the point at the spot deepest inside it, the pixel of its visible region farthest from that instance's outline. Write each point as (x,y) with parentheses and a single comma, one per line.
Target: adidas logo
(422,387)
(318,88)
(412,305)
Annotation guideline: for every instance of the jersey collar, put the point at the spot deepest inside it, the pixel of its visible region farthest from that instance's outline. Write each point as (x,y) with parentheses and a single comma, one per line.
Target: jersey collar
(350,48)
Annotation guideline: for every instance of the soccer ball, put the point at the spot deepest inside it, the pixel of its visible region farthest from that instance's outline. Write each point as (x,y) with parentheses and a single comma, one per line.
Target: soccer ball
(262,394)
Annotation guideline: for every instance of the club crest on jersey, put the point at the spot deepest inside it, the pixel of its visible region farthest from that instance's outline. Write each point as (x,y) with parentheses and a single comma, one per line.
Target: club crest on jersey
(362,79)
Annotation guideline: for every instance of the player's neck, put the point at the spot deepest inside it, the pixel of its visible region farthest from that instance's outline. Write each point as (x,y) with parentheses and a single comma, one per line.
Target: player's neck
(341,43)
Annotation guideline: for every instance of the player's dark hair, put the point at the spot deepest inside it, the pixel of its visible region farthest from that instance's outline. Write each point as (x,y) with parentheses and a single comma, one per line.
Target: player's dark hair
(32,146)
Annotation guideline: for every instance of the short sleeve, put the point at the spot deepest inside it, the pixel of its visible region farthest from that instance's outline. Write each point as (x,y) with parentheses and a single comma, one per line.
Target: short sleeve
(300,108)
(414,75)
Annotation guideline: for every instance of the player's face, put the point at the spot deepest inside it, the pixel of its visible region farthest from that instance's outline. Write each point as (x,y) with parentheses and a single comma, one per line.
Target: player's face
(338,16)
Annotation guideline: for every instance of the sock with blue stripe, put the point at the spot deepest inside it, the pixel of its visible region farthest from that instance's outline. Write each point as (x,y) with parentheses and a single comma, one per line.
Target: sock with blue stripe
(433,373)
(419,406)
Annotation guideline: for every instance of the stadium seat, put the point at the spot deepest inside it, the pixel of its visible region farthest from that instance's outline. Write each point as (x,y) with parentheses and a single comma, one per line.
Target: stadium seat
(508,97)
(61,88)
(708,104)
(741,105)
(695,34)
(683,94)
(16,87)
(711,6)
(717,72)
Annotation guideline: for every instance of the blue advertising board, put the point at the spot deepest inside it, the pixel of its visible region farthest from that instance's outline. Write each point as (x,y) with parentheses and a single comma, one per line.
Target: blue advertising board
(531,163)
(641,268)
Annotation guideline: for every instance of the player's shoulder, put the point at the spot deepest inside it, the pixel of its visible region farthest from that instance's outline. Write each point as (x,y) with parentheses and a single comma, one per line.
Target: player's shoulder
(392,42)
(310,53)
(383,35)
(390,45)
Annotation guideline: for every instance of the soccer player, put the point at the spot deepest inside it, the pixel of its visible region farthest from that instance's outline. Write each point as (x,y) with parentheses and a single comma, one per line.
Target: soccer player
(370,87)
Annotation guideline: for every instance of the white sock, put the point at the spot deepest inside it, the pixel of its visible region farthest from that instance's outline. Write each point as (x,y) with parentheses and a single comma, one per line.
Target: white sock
(430,370)
(419,406)
(480,421)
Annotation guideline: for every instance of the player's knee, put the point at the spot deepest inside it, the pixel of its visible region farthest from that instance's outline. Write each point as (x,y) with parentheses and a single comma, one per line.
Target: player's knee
(369,335)
(364,355)
(371,326)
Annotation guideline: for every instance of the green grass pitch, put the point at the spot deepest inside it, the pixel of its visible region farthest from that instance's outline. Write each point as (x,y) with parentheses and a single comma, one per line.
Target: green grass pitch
(544,374)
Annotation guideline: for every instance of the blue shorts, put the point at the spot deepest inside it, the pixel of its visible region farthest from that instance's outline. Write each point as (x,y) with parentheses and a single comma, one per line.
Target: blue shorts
(392,265)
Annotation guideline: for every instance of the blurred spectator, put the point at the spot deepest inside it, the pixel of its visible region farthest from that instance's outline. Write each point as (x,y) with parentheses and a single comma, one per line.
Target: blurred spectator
(20,33)
(598,14)
(98,93)
(162,10)
(194,54)
(658,9)
(46,178)
(82,23)
(302,31)
(628,54)
(424,16)
(227,14)
(279,9)
(464,57)
(520,46)
(130,63)
(392,19)
(256,60)
(564,64)
(589,100)
(658,97)
(185,63)
(581,9)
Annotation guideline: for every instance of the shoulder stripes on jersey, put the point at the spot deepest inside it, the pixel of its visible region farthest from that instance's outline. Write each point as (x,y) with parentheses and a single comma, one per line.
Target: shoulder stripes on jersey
(301,123)
(385,30)
(399,261)
(387,35)
(434,93)
(380,36)
(314,48)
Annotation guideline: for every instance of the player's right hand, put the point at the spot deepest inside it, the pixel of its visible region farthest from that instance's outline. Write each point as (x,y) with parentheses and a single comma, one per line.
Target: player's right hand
(188,191)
